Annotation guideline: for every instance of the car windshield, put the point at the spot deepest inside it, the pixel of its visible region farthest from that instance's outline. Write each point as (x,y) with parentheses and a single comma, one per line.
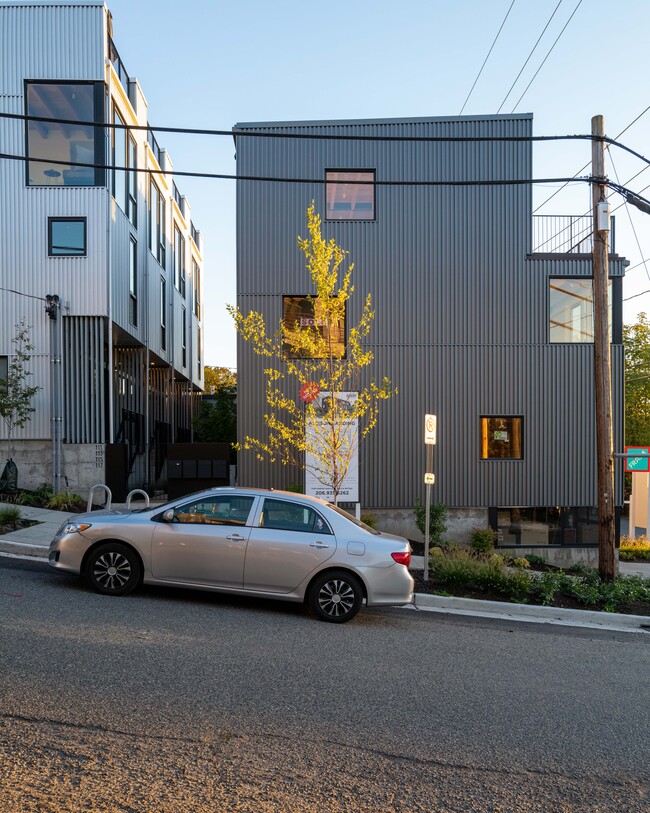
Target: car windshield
(353,519)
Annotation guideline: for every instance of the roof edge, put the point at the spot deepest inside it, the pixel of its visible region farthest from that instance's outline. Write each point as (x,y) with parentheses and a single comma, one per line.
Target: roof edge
(351,122)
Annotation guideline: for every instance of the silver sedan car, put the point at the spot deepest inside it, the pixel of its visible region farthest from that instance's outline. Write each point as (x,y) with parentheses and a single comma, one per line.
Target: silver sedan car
(271,544)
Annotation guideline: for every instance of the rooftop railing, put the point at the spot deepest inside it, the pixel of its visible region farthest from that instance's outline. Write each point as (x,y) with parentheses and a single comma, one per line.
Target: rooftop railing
(567,234)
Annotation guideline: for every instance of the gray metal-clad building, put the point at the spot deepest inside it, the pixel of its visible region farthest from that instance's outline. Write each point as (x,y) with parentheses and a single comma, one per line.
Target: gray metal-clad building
(121,367)
(483,314)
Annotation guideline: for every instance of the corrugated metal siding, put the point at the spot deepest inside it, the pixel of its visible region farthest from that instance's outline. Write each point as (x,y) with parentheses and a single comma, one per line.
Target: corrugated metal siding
(62,42)
(84,402)
(461,314)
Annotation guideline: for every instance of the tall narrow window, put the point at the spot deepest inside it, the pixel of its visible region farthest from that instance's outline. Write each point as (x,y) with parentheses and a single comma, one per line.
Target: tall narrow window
(179,260)
(501,438)
(350,195)
(4,369)
(198,353)
(133,283)
(132,182)
(118,138)
(163,313)
(157,236)
(65,154)
(184,335)
(196,276)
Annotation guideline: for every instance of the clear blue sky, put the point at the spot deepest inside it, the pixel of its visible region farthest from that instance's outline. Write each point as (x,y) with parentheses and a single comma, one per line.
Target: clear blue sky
(211,63)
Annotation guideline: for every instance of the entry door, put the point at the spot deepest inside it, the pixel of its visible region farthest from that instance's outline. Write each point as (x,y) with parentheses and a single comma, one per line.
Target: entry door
(205,543)
(285,546)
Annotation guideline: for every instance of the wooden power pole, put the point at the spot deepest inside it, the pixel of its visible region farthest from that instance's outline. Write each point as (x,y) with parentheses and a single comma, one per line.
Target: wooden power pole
(602,358)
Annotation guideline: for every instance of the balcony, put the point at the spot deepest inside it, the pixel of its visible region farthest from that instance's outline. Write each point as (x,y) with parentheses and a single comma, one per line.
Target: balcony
(567,234)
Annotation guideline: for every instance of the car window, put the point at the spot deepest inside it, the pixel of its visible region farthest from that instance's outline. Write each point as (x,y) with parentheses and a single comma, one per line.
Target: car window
(226,510)
(290,516)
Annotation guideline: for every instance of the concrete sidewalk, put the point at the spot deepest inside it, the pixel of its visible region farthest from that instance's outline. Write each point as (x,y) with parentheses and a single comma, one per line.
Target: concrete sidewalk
(33,543)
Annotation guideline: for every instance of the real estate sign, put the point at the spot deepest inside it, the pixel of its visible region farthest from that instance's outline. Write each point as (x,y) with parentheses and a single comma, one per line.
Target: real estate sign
(318,471)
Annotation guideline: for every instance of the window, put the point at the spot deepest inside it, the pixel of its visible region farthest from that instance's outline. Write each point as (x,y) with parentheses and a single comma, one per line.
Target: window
(179,260)
(163,313)
(198,354)
(215,511)
(545,526)
(157,234)
(132,181)
(501,438)
(303,313)
(350,194)
(66,236)
(288,516)
(133,283)
(196,275)
(4,370)
(118,142)
(571,310)
(55,149)
(184,335)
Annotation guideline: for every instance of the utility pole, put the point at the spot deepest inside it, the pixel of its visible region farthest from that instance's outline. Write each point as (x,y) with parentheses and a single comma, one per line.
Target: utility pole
(602,358)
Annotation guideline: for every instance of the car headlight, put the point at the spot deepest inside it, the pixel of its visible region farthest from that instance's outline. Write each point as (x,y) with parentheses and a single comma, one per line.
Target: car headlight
(74,527)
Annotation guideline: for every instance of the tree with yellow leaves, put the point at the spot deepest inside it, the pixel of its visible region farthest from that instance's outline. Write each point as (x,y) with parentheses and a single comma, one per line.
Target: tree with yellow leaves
(310,411)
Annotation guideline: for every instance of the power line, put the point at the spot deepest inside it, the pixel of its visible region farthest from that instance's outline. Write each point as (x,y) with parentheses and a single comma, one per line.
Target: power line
(634,296)
(625,129)
(487,57)
(547,55)
(529,56)
(627,209)
(20,293)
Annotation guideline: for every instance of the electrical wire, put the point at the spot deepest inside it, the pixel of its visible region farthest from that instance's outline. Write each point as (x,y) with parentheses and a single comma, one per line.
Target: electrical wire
(547,56)
(529,56)
(634,296)
(20,293)
(625,129)
(627,209)
(487,57)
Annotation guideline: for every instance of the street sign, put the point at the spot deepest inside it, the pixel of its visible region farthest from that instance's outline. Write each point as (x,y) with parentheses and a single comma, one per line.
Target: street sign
(429,479)
(640,463)
(430,430)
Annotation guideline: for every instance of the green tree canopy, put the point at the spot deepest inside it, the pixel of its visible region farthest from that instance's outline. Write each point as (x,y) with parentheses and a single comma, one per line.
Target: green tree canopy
(637,382)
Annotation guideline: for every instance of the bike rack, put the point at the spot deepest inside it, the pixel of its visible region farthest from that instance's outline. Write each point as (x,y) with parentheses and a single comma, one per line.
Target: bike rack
(109,496)
(132,494)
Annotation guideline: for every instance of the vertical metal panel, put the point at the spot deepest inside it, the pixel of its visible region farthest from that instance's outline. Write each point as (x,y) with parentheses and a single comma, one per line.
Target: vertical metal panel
(461,324)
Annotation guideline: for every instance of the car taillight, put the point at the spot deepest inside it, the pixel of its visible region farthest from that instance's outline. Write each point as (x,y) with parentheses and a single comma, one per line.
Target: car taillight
(402,558)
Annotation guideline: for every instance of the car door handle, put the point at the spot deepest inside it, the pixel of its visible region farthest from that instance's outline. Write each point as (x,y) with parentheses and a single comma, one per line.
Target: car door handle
(318,545)
(236,537)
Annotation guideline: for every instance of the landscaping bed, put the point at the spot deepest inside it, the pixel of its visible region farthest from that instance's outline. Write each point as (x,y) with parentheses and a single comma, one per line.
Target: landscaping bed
(490,577)
(44,497)
(10,521)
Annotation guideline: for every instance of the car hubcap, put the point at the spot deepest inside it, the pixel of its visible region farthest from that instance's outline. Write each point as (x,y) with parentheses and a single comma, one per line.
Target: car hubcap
(112,571)
(336,598)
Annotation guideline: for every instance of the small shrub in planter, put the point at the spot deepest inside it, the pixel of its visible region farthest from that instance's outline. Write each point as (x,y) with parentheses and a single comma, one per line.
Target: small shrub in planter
(10,517)
(482,540)
(437,521)
(64,501)
(634,548)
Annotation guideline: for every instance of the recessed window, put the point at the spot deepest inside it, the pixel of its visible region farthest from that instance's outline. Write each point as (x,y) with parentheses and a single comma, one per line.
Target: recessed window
(4,369)
(56,150)
(133,283)
(571,310)
(501,438)
(163,313)
(196,277)
(179,260)
(118,159)
(157,233)
(66,236)
(184,336)
(307,333)
(350,194)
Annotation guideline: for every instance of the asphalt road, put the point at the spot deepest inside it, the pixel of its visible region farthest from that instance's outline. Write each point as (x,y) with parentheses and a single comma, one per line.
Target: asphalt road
(182,701)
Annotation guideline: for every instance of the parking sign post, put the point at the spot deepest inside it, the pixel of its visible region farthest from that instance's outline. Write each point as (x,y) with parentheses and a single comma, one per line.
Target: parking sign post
(430,427)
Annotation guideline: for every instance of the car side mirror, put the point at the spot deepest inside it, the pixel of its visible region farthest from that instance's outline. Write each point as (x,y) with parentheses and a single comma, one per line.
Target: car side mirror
(168,516)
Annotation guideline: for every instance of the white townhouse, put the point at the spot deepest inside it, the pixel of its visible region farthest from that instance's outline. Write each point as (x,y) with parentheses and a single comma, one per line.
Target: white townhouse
(118,356)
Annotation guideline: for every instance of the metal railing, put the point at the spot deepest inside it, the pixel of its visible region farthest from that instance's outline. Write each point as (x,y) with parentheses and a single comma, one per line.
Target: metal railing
(155,148)
(566,234)
(120,70)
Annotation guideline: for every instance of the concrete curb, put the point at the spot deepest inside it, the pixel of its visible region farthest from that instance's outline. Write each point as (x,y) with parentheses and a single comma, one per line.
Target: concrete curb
(530,613)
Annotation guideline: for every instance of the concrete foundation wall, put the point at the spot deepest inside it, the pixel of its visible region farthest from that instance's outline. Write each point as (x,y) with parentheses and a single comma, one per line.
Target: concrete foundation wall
(460,523)
(82,464)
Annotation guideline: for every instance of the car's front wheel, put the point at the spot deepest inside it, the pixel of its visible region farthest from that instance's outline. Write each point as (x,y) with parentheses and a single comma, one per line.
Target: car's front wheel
(113,569)
(336,596)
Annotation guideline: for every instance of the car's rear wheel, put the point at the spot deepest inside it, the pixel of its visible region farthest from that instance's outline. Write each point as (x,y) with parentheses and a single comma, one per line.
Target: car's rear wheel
(336,596)
(113,569)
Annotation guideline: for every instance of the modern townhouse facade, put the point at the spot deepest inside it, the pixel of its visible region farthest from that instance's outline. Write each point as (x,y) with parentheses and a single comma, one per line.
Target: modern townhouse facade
(484,316)
(118,355)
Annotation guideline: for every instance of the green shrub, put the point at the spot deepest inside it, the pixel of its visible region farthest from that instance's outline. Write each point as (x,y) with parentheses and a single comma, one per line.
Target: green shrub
(64,501)
(10,517)
(27,498)
(437,521)
(457,569)
(482,540)
(521,563)
(634,548)
(297,489)
(533,559)
(369,520)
